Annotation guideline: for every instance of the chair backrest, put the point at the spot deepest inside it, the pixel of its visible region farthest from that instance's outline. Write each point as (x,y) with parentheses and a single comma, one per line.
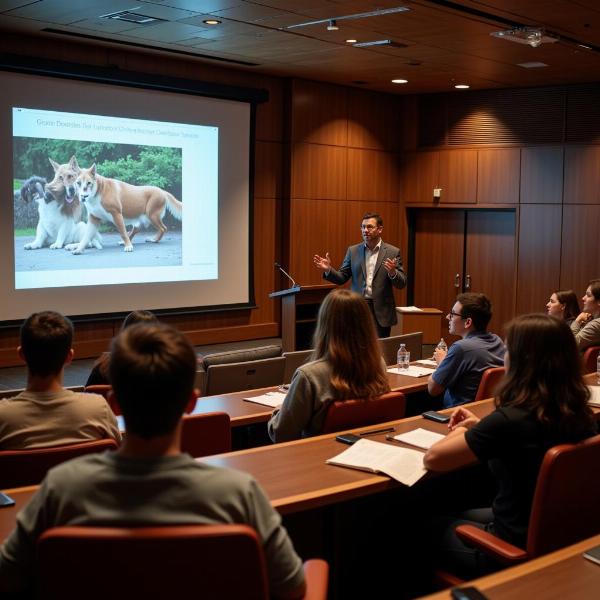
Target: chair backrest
(293,360)
(237,377)
(567,496)
(29,467)
(205,434)
(102,389)
(489,383)
(219,561)
(390,345)
(242,355)
(347,414)
(590,356)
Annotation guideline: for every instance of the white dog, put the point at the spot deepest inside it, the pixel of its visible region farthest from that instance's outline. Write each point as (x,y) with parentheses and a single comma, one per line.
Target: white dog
(59,209)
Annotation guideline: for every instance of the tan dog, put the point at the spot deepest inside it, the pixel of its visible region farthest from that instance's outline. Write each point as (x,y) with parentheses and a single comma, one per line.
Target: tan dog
(121,203)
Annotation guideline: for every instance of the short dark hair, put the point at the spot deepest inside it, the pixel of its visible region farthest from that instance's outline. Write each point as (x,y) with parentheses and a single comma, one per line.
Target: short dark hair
(46,339)
(138,316)
(595,288)
(476,307)
(152,370)
(374,215)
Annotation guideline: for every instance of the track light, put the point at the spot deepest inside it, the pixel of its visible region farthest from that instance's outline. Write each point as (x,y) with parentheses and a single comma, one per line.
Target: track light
(332,26)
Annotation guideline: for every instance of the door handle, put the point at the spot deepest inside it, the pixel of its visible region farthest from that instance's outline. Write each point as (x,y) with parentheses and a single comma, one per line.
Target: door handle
(457,281)
(468,282)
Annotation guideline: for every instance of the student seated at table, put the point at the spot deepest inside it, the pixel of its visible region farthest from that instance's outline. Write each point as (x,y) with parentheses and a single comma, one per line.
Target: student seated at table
(345,364)
(148,481)
(460,368)
(46,414)
(586,326)
(563,305)
(542,403)
(99,373)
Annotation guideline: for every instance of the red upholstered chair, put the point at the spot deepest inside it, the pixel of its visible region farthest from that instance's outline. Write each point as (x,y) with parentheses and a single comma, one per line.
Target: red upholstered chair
(590,356)
(204,434)
(29,467)
(489,383)
(347,414)
(210,561)
(103,390)
(564,509)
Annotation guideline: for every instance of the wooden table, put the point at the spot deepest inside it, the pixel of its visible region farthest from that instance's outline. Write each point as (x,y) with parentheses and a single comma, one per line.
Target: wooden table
(556,576)
(293,474)
(243,413)
(428,320)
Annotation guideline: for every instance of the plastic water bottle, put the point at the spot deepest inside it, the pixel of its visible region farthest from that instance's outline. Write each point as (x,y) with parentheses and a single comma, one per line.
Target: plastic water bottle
(403,357)
(597,368)
(442,345)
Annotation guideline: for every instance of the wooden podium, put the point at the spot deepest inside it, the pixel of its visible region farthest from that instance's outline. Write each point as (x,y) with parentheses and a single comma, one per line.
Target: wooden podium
(299,308)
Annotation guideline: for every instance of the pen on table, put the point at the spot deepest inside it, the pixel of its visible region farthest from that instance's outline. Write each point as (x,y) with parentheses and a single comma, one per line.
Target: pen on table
(374,431)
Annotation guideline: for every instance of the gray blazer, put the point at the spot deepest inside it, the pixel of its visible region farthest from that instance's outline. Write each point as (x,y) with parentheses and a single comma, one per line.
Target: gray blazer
(383,297)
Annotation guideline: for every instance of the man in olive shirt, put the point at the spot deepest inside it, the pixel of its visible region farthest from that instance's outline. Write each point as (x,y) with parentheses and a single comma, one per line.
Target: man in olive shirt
(46,414)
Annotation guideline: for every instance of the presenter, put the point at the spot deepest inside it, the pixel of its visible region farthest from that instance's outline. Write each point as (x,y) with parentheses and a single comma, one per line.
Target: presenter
(374,268)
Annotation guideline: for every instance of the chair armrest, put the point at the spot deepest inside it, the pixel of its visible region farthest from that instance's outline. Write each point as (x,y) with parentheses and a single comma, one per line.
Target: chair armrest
(490,544)
(316,572)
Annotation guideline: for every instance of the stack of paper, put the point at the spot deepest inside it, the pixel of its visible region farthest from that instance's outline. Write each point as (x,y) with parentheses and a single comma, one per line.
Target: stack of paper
(594,395)
(410,309)
(421,438)
(412,371)
(428,361)
(402,464)
(272,399)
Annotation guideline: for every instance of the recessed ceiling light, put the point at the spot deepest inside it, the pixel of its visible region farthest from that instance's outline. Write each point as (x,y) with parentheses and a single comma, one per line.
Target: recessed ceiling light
(211,22)
(351,41)
(461,86)
(399,80)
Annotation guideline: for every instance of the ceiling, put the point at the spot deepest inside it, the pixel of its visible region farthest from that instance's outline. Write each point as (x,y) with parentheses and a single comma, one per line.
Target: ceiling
(437,43)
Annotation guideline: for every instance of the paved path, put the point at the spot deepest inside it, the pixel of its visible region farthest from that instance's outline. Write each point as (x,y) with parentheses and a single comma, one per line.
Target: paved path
(145,254)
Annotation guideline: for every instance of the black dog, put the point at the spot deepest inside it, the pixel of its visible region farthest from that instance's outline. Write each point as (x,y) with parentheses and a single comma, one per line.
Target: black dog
(34,188)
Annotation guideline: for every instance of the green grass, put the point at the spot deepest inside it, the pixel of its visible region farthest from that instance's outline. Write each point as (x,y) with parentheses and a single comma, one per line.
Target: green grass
(24,232)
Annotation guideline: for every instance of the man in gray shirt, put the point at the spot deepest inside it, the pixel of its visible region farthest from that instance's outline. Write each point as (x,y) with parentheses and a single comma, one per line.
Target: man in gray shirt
(148,481)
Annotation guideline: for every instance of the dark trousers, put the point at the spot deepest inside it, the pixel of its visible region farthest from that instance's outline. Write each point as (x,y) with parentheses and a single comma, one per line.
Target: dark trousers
(460,558)
(382,332)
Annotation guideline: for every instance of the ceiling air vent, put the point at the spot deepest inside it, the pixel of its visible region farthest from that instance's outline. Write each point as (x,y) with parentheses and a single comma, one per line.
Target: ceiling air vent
(131,17)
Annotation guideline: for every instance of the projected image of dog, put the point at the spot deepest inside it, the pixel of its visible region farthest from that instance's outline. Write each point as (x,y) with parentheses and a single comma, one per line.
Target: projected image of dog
(122,204)
(59,210)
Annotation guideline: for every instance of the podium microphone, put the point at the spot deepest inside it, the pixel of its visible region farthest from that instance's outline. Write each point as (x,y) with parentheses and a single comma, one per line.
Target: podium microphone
(278,266)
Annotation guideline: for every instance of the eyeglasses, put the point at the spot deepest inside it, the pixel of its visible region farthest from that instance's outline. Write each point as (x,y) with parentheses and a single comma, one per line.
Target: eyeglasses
(368,227)
(451,313)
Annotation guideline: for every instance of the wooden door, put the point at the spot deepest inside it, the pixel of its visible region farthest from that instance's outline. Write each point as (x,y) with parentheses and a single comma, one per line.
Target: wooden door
(436,275)
(490,261)
(458,250)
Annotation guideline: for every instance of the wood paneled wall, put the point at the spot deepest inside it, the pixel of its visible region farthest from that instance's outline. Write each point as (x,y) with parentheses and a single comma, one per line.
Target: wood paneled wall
(554,186)
(263,321)
(344,157)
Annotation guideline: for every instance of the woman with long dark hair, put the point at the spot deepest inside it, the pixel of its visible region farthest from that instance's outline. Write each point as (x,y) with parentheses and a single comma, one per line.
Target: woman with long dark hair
(542,402)
(563,304)
(346,363)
